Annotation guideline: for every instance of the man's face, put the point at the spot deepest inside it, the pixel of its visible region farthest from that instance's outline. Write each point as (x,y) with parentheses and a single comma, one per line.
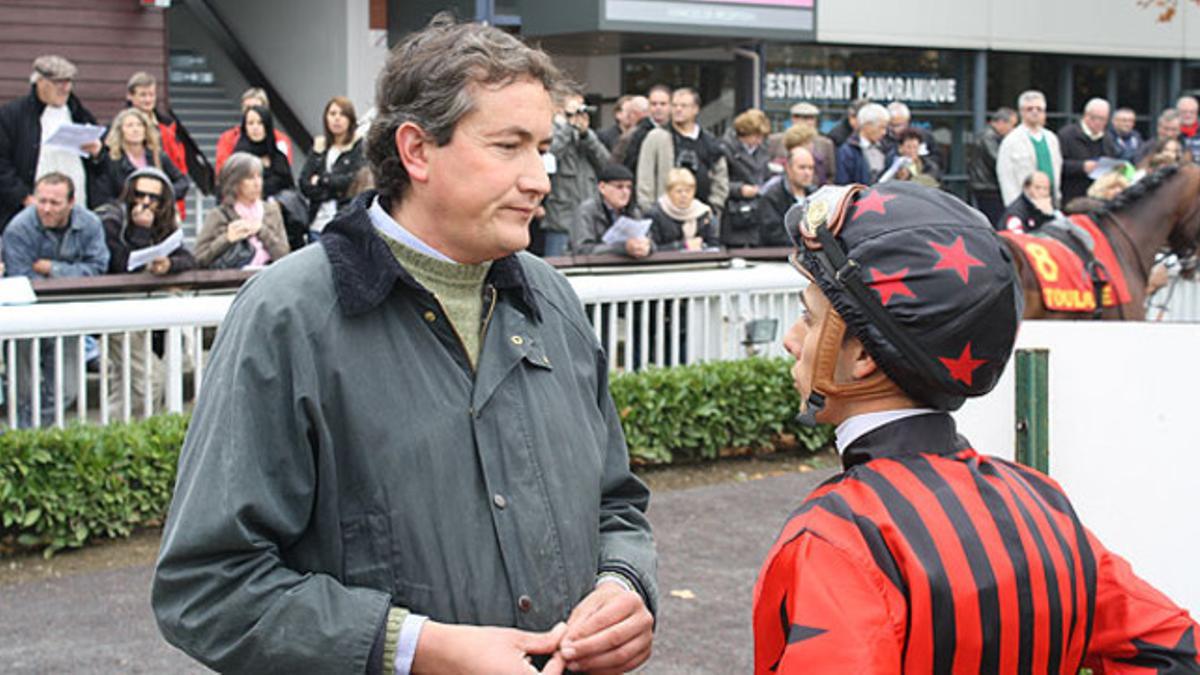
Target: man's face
(684,109)
(1033,113)
(1122,121)
(1039,188)
(144,98)
(800,170)
(484,185)
(1004,125)
(53,206)
(660,106)
(1168,128)
(1188,109)
(53,92)
(1096,119)
(898,124)
(873,131)
(620,116)
(809,121)
(616,193)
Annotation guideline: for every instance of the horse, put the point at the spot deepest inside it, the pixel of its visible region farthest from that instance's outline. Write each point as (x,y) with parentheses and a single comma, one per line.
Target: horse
(1161,210)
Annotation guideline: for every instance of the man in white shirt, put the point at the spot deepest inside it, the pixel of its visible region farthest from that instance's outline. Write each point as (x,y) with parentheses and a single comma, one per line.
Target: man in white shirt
(1028,148)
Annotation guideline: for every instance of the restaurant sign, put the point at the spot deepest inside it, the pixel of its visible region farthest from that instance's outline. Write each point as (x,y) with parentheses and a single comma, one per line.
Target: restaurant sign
(789,86)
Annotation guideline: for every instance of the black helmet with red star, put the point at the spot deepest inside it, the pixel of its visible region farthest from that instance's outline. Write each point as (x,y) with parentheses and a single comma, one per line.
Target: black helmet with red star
(920,278)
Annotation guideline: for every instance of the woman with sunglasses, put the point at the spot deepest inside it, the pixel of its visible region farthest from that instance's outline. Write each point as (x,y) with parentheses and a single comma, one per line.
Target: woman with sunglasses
(144,217)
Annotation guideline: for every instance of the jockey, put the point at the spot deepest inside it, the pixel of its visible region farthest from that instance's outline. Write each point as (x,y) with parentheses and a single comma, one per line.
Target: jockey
(923,556)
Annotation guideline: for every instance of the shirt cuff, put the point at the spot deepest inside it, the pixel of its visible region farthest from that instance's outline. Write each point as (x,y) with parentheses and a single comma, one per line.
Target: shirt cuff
(616,578)
(406,645)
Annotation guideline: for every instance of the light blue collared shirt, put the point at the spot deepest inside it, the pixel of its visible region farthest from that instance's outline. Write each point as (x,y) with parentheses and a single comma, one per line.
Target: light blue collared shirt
(387,226)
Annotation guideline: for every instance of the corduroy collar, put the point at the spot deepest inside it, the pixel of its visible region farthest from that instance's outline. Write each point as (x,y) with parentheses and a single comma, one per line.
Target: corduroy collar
(929,434)
(365,271)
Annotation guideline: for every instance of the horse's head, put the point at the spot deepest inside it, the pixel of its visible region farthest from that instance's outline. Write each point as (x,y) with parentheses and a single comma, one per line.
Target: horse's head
(1184,236)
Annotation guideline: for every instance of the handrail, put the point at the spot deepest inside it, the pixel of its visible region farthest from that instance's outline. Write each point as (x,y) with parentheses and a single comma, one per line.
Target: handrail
(210,280)
(225,38)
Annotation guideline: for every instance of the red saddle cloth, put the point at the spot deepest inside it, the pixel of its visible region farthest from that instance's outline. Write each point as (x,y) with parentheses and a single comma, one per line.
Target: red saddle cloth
(1066,286)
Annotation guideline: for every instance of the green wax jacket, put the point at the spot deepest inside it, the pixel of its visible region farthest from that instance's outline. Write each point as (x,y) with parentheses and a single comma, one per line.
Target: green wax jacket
(343,459)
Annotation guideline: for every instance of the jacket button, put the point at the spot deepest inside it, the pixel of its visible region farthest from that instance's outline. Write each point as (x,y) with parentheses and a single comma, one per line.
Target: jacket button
(518,340)
(430,316)
(500,501)
(524,603)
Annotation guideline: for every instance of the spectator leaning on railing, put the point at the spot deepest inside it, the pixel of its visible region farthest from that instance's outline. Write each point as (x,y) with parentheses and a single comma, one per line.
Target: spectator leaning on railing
(244,231)
(612,200)
(52,238)
(679,220)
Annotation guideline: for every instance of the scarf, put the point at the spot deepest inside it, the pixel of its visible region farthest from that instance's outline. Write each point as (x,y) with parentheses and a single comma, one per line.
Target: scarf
(688,217)
(254,212)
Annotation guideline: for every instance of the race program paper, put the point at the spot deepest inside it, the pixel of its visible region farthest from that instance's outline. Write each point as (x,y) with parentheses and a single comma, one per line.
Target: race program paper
(73,137)
(626,228)
(166,247)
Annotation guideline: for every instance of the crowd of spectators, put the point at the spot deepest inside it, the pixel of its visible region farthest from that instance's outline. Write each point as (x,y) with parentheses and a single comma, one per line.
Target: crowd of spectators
(654,180)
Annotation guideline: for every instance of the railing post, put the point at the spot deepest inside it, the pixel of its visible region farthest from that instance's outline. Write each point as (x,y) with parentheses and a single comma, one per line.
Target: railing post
(1033,408)
(174,358)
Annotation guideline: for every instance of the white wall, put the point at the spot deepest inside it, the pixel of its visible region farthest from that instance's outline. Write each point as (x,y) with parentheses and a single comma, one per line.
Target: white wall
(1124,442)
(1116,27)
(366,52)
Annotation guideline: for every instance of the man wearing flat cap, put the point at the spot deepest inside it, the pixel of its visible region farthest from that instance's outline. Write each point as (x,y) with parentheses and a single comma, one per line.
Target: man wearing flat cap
(823,150)
(612,200)
(923,555)
(27,122)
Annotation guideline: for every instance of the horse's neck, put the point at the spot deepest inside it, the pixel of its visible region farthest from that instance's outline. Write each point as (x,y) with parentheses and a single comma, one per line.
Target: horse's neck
(1149,224)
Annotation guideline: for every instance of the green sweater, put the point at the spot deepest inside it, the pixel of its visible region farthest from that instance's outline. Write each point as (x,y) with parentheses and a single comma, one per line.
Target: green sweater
(459,289)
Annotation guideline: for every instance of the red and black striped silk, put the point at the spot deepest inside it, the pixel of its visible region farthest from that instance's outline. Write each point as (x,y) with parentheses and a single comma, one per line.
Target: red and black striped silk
(925,557)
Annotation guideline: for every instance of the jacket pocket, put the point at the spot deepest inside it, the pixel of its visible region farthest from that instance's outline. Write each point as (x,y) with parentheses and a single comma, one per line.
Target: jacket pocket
(366,552)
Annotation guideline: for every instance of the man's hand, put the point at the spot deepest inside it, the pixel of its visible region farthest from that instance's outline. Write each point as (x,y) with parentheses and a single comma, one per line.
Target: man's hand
(749,191)
(638,247)
(1089,165)
(43,267)
(451,649)
(92,148)
(610,631)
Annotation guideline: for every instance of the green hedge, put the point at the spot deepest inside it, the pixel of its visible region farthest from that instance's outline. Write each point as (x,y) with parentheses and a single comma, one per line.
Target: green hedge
(60,488)
(703,410)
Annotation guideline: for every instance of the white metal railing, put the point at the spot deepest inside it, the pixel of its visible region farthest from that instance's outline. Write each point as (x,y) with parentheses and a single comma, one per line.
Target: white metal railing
(641,318)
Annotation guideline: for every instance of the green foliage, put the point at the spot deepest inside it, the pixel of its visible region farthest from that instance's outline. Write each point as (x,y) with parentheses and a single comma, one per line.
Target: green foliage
(705,410)
(60,488)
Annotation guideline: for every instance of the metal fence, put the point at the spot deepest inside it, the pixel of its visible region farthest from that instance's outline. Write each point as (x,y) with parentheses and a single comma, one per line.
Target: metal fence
(118,359)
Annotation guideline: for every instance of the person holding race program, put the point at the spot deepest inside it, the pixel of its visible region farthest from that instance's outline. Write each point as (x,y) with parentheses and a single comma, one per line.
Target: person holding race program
(924,556)
(406,458)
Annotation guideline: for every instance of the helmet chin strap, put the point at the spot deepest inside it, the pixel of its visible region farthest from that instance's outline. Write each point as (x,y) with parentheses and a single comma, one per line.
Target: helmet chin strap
(823,383)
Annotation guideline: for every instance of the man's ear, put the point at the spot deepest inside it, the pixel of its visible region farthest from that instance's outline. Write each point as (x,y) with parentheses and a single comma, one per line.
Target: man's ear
(413,147)
(863,364)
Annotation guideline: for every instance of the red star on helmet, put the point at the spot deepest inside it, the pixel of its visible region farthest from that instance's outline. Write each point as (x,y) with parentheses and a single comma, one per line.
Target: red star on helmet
(888,285)
(872,202)
(963,367)
(955,257)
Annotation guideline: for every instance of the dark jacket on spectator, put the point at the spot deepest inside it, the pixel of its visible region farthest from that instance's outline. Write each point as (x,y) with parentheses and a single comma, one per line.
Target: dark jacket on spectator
(776,201)
(334,183)
(667,233)
(609,136)
(20,145)
(76,250)
(1023,216)
(1077,148)
(981,163)
(278,176)
(123,238)
(110,178)
(578,158)
(1129,146)
(592,220)
(739,224)
(852,165)
(841,132)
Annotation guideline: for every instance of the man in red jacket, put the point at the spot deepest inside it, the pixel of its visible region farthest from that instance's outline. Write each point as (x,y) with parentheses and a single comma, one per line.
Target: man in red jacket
(141,92)
(924,556)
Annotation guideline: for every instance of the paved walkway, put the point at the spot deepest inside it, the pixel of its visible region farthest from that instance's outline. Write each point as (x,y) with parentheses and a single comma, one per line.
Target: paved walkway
(711,541)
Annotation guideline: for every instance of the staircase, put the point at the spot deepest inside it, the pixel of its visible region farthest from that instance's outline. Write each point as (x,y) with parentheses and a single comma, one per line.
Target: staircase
(206,110)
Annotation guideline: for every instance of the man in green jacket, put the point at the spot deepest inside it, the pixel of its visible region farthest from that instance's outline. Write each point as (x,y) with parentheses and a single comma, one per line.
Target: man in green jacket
(405,458)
